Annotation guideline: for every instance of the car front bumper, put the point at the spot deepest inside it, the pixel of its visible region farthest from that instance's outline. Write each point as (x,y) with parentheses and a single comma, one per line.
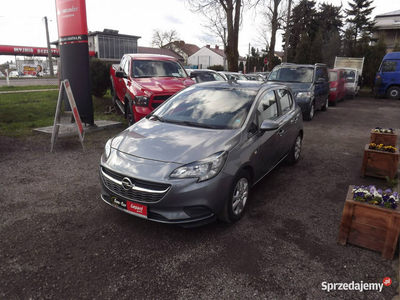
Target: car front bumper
(182,202)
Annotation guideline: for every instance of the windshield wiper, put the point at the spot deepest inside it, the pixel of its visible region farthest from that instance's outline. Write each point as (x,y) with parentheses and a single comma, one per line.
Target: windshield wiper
(158,118)
(195,124)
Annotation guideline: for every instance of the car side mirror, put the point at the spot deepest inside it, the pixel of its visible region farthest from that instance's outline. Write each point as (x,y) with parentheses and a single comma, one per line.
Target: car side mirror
(120,74)
(269,125)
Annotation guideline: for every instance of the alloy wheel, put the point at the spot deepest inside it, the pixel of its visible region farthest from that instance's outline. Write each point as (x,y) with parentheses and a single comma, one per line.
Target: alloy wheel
(240,195)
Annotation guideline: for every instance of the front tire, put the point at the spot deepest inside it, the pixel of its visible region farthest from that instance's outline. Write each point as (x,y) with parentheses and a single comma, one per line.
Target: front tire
(394,93)
(294,154)
(326,105)
(130,117)
(309,115)
(237,198)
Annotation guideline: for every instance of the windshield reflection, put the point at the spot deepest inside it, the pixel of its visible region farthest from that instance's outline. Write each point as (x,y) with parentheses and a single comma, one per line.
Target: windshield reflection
(293,74)
(219,108)
(160,68)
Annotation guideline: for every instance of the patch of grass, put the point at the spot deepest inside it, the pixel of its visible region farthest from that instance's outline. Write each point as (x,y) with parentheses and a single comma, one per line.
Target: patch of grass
(27,88)
(22,112)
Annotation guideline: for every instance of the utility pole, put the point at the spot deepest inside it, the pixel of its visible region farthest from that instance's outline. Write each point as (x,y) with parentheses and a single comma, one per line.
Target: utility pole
(287,31)
(49,49)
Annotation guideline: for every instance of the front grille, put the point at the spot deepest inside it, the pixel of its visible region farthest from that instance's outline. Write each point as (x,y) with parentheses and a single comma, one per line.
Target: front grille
(156,191)
(158,100)
(161,98)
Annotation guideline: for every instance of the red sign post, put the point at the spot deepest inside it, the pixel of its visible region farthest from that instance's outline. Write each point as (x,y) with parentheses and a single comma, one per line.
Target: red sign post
(74,53)
(265,60)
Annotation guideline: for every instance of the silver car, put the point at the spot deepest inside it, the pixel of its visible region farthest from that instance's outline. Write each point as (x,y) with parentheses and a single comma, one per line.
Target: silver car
(194,158)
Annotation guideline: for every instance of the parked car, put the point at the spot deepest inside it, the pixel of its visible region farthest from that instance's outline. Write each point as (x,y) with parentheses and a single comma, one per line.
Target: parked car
(387,80)
(254,77)
(233,75)
(338,86)
(204,75)
(263,74)
(194,158)
(310,84)
(13,74)
(142,82)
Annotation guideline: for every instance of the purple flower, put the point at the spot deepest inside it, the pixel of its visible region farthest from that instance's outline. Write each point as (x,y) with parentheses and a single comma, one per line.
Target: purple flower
(388,191)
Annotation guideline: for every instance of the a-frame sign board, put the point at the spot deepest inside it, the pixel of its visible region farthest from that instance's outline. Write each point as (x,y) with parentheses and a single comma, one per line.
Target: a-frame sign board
(66,86)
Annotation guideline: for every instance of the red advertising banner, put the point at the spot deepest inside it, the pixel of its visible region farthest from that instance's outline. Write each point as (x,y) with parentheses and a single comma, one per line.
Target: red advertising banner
(31,51)
(71,18)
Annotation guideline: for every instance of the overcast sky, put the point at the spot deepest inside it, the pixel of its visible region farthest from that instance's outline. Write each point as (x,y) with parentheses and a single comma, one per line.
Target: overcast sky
(21,21)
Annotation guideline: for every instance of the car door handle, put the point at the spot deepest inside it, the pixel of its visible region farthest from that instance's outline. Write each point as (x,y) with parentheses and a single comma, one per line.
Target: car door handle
(281,132)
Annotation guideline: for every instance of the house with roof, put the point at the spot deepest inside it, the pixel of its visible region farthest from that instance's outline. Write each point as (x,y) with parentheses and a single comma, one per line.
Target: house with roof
(389,24)
(207,56)
(183,49)
(162,51)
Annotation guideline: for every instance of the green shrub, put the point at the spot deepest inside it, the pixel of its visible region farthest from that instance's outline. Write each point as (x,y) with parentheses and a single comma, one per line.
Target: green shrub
(216,68)
(100,77)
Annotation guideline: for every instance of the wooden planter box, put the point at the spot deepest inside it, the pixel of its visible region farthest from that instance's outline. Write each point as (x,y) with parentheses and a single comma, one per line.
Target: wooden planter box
(379,163)
(369,226)
(388,139)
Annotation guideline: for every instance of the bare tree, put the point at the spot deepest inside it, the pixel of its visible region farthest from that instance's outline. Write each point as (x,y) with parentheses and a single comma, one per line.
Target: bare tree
(161,38)
(218,12)
(274,13)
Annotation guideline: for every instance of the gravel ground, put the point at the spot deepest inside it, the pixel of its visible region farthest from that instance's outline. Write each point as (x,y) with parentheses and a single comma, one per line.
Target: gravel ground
(60,241)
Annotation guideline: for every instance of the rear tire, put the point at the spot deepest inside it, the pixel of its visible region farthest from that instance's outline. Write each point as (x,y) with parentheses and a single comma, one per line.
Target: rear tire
(114,99)
(394,93)
(237,198)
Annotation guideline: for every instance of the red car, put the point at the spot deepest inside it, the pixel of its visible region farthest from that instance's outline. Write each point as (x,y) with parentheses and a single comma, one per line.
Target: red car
(142,82)
(338,86)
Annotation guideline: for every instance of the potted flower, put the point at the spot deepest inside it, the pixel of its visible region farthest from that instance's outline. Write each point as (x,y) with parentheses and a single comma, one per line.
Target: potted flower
(383,136)
(380,161)
(371,219)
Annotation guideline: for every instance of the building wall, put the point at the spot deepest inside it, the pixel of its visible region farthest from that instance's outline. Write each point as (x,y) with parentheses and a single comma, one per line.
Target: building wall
(205,58)
(390,26)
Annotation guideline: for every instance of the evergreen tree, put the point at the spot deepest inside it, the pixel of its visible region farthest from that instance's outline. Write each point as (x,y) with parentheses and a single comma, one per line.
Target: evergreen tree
(373,59)
(331,49)
(302,20)
(303,50)
(359,17)
(316,48)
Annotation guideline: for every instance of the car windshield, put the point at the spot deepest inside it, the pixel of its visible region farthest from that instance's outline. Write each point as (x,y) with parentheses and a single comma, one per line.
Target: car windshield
(217,108)
(333,76)
(350,76)
(157,68)
(208,76)
(293,74)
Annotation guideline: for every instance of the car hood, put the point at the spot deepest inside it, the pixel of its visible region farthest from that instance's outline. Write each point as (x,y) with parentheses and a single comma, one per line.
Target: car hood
(169,142)
(296,86)
(162,85)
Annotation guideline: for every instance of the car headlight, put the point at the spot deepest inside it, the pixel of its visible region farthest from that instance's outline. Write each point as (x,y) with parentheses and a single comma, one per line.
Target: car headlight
(203,169)
(141,100)
(333,89)
(305,95)
(107,149)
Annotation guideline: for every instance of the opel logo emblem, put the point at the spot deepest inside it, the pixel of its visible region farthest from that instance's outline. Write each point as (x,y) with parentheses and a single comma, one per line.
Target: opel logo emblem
(127,184)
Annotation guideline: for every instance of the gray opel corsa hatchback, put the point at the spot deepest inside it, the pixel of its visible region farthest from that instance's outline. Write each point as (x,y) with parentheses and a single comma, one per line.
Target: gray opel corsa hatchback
(194,158)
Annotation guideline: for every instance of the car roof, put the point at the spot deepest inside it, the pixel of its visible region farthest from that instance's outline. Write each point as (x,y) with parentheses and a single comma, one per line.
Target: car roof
(141,56)
(240,84)
(203,70)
